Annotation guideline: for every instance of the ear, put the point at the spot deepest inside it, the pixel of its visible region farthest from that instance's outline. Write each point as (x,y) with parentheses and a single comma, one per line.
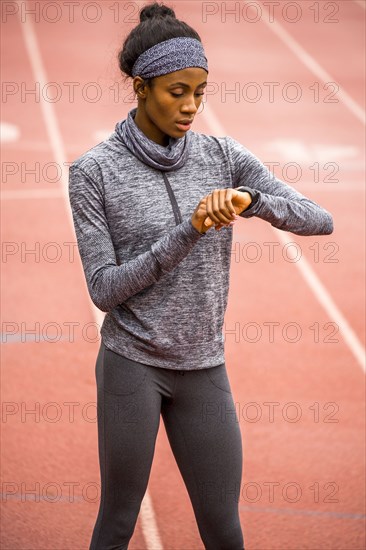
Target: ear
(139,87)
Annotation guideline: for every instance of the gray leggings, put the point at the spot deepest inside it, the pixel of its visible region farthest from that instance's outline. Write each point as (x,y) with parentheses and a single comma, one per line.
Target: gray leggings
(202,427)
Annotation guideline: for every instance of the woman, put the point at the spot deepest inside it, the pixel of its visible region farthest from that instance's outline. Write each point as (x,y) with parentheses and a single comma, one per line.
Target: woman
(144,203)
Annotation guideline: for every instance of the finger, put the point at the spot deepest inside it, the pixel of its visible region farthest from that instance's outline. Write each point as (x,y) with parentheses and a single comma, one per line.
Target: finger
(229,204)
(220,226)
(209,208)
(223,206)
(218,204)
(226,206)
(208,222)
(211,205)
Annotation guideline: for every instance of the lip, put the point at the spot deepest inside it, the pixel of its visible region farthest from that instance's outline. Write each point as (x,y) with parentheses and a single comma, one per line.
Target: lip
(184,124)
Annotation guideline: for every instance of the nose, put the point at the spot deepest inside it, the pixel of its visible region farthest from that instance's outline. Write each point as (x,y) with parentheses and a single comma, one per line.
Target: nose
(190,105)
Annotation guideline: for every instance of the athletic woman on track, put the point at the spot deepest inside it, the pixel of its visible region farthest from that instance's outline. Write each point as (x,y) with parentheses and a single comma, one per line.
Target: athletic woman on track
(153,207)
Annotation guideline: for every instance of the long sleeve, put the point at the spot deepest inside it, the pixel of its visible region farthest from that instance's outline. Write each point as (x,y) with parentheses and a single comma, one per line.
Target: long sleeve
(110,284)
(276,202)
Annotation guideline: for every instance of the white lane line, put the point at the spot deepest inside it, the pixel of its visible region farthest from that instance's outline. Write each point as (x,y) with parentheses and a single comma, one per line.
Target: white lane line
(41,146)
(48,112)
(328,304)
(361,3)
(32,194)
(313,65)
(9,132)
(148,522)
(311,278)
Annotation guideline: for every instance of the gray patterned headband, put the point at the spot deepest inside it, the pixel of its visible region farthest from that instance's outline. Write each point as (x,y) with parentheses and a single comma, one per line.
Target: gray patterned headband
(169,56)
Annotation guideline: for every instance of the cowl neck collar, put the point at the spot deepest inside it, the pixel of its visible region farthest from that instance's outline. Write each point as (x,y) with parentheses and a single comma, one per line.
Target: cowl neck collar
(167,159)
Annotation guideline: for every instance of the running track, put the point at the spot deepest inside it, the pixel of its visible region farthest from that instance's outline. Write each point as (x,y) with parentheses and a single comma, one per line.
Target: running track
(295,320)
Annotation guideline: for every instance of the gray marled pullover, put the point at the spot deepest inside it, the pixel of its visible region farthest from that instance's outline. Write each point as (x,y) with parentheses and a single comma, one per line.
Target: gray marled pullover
(163,284)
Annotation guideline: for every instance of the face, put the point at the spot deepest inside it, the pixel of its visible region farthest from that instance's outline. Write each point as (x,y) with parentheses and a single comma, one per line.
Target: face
(170,105)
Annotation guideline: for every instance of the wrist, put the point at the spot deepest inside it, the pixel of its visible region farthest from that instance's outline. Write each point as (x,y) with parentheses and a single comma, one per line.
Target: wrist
(253,193)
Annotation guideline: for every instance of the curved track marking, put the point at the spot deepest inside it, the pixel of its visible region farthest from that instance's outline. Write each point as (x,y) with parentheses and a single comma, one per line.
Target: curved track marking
(311,278)
(314,66)
(148,523)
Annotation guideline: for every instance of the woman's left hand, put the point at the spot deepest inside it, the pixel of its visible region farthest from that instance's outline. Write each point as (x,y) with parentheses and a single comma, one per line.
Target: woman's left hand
(224,205)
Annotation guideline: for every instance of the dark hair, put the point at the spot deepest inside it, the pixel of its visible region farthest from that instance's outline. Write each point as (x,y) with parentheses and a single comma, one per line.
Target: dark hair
(157,23)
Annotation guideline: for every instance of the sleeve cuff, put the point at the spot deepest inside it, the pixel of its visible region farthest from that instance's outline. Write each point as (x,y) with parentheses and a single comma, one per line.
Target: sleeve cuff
(192,230)
(253,207)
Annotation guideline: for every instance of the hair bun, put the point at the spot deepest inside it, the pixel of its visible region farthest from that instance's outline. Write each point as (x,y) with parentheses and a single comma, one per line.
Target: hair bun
(155,10)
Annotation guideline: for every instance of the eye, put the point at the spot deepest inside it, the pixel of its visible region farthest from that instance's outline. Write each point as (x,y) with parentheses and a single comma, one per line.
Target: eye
(176,95)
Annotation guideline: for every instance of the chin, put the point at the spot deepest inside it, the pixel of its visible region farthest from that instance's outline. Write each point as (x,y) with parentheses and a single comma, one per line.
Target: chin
(175,135)
(179,133)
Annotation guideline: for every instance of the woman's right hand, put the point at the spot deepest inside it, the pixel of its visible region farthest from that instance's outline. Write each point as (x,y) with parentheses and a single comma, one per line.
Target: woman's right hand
(200,215)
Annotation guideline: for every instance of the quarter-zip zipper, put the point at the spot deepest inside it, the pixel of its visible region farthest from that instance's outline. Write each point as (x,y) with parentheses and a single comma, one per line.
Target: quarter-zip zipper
(176,211)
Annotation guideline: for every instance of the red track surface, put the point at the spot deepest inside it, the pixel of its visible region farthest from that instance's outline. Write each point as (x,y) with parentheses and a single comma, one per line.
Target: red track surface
(311,451)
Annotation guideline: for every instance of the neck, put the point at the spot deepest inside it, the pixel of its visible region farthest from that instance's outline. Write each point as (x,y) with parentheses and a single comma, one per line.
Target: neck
(152,153)
(149,129)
